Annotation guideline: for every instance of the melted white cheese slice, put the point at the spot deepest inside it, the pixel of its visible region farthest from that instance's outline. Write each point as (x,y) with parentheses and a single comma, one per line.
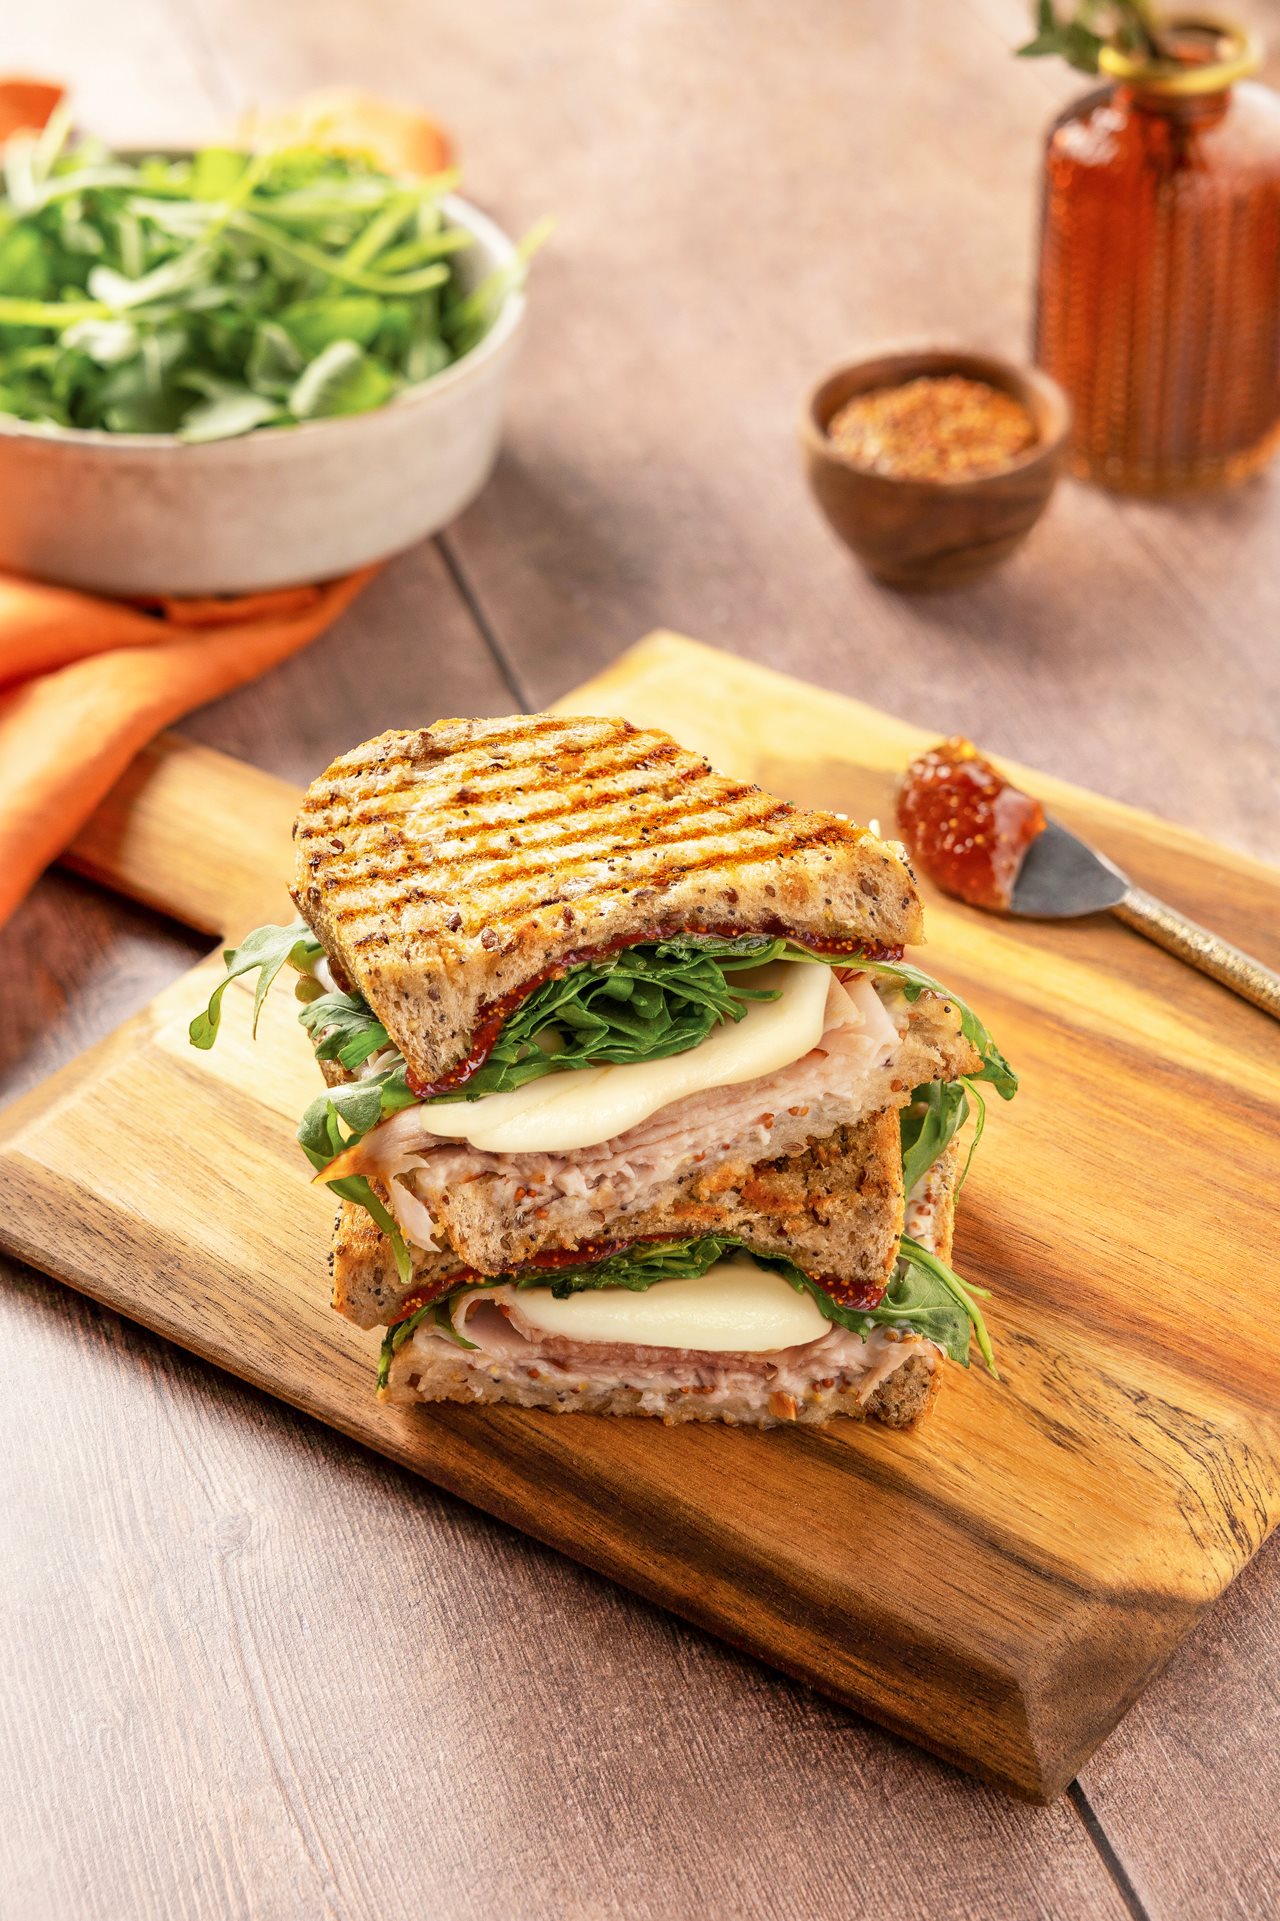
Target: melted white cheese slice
(734,1308)
(563,1112)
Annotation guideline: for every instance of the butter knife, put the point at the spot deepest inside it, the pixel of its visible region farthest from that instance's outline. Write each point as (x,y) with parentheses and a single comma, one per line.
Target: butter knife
(1062,877)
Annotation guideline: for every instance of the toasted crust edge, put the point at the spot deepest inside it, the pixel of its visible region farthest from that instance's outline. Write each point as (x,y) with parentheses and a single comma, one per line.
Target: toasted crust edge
(902,1401)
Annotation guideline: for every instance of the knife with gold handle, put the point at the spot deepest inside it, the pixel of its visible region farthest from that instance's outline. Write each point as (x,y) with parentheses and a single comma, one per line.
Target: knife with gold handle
(1062,877)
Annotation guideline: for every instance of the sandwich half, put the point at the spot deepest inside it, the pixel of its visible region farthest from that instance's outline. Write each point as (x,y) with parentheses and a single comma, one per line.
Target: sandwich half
(715,1326)
(587,1009)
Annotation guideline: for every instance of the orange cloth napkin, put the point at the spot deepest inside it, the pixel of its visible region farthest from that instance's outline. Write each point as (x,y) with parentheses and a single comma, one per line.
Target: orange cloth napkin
(86,682)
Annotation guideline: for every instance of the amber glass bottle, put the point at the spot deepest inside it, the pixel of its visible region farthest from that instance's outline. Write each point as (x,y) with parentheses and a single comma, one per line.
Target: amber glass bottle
(1159,290)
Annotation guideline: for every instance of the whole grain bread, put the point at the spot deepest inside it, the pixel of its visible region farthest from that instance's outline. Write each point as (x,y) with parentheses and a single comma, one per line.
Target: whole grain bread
(435,1373)
(900,1401)
(447,867)
(836,1210)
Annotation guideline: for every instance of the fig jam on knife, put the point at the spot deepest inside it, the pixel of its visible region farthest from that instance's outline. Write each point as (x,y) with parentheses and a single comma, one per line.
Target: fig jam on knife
(967,827)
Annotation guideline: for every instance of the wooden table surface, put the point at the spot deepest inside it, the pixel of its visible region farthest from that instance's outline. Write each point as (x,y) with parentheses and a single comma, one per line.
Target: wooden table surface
(250,1670)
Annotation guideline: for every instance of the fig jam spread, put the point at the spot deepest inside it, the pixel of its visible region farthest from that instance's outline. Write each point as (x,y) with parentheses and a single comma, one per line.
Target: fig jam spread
(968,828)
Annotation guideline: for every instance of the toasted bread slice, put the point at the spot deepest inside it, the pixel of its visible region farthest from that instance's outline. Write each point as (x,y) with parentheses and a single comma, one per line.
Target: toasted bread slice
(894,1376)
(836,1210)
(902,1400)
(446,870)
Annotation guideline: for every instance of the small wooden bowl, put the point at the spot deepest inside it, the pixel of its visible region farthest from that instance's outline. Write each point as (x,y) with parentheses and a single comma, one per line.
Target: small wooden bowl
(934,533)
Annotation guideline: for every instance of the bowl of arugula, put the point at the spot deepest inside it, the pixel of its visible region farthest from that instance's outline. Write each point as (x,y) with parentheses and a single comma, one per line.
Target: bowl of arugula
(222,372)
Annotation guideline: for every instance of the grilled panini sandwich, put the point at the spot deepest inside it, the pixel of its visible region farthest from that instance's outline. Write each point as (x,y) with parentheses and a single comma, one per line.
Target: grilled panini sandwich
(837,1206)
(633,1102)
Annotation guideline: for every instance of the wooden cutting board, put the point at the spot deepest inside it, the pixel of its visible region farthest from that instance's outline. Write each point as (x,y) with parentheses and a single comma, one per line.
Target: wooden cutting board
(998,1586)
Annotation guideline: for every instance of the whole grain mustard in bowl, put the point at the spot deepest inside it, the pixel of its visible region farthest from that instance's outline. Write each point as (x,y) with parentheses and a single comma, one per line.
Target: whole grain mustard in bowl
(933,466)
(935,427)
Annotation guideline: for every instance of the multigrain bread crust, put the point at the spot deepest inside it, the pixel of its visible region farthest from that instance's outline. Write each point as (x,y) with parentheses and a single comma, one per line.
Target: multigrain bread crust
(835,1209)
(907,1396)
(901,1401)
(447,867)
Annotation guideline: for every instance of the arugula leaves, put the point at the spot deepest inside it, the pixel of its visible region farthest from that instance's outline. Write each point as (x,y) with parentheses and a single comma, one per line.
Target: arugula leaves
(926,1292)
(209,296)
(636,1267)
(438,1313)
(344,1028)
(361,1105)
(1076,38)
(640,1004)
(935,1115)
(347,1113)
(924,1265)
(341,1114)
(267,949)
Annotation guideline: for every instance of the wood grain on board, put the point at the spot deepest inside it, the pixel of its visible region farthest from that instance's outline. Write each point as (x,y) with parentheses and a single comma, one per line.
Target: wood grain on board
(196,834)
(998,1586)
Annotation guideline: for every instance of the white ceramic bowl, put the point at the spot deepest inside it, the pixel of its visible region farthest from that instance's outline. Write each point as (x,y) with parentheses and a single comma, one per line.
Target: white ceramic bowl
(147,514)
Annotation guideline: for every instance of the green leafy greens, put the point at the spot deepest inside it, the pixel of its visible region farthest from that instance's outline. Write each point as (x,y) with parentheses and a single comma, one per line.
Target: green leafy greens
(266,949)
(995,1068)
(358,1105)
(930,1122)
(212,295)
(936,1113)
(640,1004)
(321,1138)
(343,1028)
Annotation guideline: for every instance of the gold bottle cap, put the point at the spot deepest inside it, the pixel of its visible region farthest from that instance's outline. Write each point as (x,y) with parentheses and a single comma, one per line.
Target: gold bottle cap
(1219,53)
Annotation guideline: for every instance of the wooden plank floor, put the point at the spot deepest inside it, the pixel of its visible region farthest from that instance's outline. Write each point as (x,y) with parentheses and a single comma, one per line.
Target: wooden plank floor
(284,1651)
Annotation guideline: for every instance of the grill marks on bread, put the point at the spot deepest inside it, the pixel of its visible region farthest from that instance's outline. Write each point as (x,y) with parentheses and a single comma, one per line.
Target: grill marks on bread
(595,808)
(443,868)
